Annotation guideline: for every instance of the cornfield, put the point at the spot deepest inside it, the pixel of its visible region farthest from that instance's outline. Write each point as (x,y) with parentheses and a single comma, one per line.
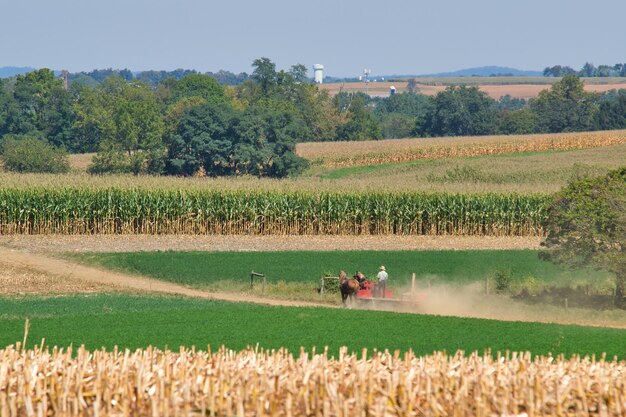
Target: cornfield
(127,211)
(253,382)
(346,154)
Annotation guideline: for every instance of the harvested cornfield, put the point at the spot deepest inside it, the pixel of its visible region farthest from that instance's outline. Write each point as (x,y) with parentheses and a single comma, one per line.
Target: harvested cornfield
(151,382)
(496,87)
(345,154)
(119,211)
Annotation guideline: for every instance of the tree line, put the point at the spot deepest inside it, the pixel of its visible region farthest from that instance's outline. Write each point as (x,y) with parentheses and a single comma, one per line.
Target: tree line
(468,111)
(588,70)
(193,124)
(153,78)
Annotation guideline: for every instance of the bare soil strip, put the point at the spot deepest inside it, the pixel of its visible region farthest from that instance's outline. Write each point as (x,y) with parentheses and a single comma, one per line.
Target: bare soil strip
(16,280)
(133,243)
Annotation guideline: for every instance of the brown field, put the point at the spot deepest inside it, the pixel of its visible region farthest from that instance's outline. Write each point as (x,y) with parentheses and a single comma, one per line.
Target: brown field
(496,91)
(192,382)
(346,154)
(79,162)
(19,279)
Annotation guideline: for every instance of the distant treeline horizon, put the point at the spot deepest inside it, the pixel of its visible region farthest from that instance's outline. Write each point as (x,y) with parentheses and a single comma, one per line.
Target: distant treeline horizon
(226,77)
(588,71)
(189,122)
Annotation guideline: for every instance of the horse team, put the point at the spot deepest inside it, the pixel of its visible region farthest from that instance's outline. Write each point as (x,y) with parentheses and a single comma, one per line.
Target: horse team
(350,286)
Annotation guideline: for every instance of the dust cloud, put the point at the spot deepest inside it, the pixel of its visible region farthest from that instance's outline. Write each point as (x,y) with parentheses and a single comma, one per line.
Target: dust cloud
(472,301)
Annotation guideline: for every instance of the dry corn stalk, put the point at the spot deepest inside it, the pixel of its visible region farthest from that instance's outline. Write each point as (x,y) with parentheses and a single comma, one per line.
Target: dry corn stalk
(254,382)
(346,154)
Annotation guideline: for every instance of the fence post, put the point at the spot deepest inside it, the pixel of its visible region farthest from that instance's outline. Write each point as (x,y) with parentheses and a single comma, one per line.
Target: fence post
(413,282)
(256,274)
(321,286)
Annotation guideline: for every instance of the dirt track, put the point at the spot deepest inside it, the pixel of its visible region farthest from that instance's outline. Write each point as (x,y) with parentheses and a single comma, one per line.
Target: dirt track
(109,279)
(466,302)
(131,243)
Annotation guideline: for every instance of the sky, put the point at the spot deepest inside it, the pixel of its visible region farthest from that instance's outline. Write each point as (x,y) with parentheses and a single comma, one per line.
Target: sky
(390,37)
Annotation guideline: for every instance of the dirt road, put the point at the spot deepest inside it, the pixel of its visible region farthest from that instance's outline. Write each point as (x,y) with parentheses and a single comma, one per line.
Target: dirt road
(132,243)
(459,302)
(110,279)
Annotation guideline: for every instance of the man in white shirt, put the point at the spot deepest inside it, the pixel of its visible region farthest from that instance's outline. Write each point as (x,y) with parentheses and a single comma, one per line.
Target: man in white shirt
(382,281)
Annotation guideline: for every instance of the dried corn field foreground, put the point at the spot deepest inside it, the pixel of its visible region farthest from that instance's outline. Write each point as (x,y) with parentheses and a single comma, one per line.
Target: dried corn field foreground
(151,382)
(347,154)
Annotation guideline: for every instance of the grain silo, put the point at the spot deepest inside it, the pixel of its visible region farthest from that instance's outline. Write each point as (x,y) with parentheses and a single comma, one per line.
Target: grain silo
(318,70)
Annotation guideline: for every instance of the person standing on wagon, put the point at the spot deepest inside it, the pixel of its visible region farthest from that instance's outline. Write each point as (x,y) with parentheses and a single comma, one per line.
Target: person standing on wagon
(382,281)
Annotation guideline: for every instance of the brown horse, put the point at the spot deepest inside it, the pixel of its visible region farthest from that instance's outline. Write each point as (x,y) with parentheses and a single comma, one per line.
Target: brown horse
(348,287)
(359,276)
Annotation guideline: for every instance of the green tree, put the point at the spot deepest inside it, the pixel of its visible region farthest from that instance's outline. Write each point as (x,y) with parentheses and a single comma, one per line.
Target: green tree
(611,112)
(565,107)
(6,101)
(360,123)
(400,113)
(265,139)
(93,119)
(558,71)
(202,141)
(587,226)
(408,104)
(507,102)
(220,141)
(298,73)
(41,108)
(397,125)
(460,111)
(588,70)
(198,85)
(128,120)
(264,75)
(516,122)
(30,154)
(314,106)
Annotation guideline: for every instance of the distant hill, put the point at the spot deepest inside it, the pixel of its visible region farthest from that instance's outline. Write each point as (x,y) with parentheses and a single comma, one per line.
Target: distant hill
(6,72)
(488,71)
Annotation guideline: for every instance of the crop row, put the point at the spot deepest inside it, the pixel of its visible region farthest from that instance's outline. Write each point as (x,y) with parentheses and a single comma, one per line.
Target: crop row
(116,211)
(346,154)
(257,383)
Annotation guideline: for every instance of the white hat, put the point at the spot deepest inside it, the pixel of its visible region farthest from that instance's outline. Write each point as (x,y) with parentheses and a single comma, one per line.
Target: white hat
(382,267)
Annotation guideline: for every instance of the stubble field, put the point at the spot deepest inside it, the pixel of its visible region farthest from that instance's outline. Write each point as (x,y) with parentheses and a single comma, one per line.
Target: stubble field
(495,87)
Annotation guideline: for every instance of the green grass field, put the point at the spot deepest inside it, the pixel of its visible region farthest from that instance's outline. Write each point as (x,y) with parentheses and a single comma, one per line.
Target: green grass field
(135,321)
(203,269)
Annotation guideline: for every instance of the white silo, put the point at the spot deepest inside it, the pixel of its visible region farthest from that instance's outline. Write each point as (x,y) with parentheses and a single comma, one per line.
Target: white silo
(318,71)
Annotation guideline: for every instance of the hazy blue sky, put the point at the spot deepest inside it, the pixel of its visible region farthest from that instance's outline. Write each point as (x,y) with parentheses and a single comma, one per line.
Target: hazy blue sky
(391,36)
